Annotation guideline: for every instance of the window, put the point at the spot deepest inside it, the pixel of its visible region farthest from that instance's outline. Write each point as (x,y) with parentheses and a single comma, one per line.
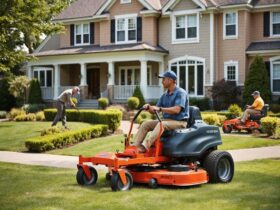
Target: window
(125,1)
(230,25)
(186,28)
(275,23)
(126,29)
(275,76)
(231,71)
(44,76)
(131,75)
(82,34)
(190,75)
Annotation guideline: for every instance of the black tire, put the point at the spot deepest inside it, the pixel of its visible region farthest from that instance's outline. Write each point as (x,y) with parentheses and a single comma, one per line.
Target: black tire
(219,166)
(227,129)
(117,185)
(153,183)
(82,178)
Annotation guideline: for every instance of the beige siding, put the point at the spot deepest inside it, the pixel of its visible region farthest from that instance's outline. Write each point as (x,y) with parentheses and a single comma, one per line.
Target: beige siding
(52,43)
(149,30)
(201,49)
(257,28)
(185,4)
(105,33)
(121,9)
(96,33)
(65,37)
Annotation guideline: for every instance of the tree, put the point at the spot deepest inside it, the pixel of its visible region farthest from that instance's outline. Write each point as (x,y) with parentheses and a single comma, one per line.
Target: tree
(257,79)
(18,88)
(7,101)
(138,94)
(22,22)
(35,95)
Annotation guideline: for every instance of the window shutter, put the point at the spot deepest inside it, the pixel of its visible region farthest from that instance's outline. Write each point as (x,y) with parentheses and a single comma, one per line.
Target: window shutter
(267,65)
(72,34)
(266,24)
(113,31)
(139,28)
(91,33)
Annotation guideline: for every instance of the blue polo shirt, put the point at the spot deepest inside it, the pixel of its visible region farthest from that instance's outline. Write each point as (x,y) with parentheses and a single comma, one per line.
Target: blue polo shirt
(179,97)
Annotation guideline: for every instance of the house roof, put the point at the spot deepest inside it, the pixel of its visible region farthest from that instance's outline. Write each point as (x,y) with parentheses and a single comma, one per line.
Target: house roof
(80,9)
(263,46)
(101,49)
(265,2)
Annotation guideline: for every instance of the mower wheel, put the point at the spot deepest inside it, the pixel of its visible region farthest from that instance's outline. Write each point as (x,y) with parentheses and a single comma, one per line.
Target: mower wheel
(153,183)
(219,166)
(227,129)
(116,182)
(82,177)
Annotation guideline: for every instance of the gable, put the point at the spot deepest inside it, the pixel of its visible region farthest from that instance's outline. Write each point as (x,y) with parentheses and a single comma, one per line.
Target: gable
(185,5)
(121,9)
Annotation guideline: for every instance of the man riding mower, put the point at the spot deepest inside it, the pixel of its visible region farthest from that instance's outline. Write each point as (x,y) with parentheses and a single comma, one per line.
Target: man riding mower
(250,119)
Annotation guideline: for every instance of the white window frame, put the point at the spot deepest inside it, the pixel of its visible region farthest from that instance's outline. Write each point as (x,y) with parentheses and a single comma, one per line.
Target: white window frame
(236,25)
(173,23)
(82,34)
(126,17)
(226,65)
(275,60)
(125,1)
(271,25)
(43,69)
(125,68)
(188,58)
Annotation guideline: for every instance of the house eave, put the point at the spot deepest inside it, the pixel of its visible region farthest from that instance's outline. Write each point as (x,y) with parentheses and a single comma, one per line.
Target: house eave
(90,18)
(262,52)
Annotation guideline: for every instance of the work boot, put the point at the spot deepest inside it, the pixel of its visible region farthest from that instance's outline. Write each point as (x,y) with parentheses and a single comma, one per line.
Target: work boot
(141,149)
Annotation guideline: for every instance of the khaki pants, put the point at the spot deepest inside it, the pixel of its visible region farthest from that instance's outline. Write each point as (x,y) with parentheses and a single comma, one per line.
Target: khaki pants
(154,126)
(248,112)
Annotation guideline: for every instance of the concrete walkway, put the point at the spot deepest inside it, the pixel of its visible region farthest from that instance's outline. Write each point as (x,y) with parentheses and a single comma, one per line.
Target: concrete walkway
(63,161)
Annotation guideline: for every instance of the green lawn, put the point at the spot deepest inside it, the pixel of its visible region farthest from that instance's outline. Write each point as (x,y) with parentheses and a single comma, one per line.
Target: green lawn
(256,185)
(13,134)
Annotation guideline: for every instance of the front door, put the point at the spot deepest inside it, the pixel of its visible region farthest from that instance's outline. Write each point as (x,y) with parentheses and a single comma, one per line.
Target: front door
(93,81)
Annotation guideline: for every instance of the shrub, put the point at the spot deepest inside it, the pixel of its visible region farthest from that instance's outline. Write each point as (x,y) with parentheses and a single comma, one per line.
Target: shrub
(74,100)
(110,117)
(276,135)
(40,116)
(103,102)
(33,108)
(15,112)
(234,111)
(213,119)
(48,142)
(138,94)
(3,114)
(25,117)
(133,103)
(18,88)
(143,117)
(225,93)
(257,79)
(202,103)
(7,100)
(35,95)
(52,130)
(269,125)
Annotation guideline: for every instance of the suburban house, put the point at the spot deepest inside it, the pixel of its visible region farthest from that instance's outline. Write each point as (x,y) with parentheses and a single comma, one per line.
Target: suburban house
(109,47)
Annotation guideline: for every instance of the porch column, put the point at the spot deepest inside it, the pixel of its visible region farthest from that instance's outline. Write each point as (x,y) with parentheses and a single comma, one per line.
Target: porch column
(56,80)
(83,81)
(143,78)
(111,73)
(29,72)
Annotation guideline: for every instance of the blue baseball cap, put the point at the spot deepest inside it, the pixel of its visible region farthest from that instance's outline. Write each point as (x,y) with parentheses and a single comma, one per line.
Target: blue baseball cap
(170,74)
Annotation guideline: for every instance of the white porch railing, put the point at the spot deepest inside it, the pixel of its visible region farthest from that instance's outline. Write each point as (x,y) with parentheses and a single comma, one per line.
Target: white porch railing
(126,91)
(47,92)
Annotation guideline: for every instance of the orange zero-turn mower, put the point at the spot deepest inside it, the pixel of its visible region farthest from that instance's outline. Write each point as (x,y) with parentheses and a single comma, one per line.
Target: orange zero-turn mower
(182,157)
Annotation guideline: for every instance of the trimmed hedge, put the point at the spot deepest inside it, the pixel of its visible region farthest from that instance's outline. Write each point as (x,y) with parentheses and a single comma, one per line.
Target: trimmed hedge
(53,141)
(269,125)
(213,119)
(110,117)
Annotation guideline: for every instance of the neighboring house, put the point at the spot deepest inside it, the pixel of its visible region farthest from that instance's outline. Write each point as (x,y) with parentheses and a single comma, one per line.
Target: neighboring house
(111,46)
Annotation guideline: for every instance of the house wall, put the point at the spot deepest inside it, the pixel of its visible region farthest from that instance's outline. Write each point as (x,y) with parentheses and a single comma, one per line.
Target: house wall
(121,9)
(186,5)
(201,49)
(105,33)
(257,28)
(65,37)
(103,76)
(97,33)
(70,75)
(150,30)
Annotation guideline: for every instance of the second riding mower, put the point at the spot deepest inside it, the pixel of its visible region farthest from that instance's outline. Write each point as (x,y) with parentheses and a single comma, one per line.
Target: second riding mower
(182,157)
(250,125)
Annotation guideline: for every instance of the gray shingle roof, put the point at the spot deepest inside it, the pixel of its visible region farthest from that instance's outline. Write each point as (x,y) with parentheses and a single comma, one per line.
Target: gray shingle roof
(265,2)
(80,9)
(98,49)
(263,46)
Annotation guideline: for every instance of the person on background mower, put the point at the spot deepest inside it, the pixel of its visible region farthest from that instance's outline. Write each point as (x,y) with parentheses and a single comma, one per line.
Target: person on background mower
(255,108)
(173,104)
(62,100)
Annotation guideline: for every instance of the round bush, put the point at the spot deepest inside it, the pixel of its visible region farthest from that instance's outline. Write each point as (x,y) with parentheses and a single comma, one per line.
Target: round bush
(40,116)
(3,114)
(269,125)
(103,102)
(16,112)
(234,111)
(133,103)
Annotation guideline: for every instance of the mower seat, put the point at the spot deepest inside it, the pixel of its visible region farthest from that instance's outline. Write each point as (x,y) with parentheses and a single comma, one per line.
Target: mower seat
(263,113)
(194,114)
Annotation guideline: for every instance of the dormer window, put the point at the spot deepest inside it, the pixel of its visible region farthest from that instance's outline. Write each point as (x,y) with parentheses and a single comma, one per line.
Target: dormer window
(126,29)
(275,24)
(82,34)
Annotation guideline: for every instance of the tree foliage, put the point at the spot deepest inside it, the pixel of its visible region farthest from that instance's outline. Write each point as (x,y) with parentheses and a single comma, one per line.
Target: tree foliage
(35,95)
(257,79)
(7,100)
(18,88)
(22,22)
